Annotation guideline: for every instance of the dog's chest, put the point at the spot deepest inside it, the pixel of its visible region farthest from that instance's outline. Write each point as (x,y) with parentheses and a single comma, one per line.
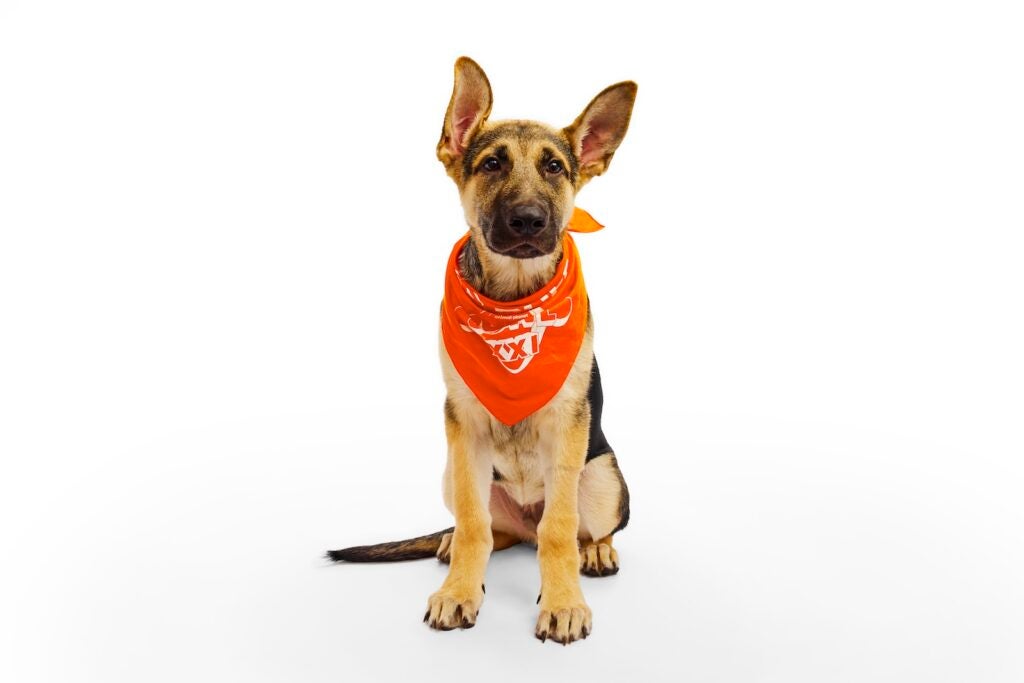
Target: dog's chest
(520,453)
(518,462)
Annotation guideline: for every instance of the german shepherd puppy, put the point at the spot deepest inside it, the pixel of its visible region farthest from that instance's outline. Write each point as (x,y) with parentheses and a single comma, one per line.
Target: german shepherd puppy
(550,480)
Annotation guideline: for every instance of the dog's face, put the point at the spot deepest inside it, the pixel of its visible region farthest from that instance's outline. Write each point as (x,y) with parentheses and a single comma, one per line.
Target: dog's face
(519,187)
(518,179)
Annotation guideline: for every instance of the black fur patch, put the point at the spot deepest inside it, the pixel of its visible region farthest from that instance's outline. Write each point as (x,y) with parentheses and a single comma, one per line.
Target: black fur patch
(469,263)
(599,444)
(595,397)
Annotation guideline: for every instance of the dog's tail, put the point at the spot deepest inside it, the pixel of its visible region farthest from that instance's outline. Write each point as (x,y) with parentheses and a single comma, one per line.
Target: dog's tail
(392,551)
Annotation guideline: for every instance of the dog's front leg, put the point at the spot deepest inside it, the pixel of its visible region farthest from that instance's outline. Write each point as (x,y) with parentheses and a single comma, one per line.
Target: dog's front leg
(564,615)
(458,600)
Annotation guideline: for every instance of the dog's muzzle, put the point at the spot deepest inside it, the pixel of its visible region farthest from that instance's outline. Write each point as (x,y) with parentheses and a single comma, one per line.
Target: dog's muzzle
(523,231)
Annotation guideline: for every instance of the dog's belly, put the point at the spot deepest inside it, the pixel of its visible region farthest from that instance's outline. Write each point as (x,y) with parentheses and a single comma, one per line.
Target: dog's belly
(513,517)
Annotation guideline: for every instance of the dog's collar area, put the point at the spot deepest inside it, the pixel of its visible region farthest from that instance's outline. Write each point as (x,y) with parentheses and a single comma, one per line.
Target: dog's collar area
(516,355)
(580,221)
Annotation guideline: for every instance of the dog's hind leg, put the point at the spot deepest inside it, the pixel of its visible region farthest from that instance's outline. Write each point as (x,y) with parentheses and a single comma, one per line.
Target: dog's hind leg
(604,510)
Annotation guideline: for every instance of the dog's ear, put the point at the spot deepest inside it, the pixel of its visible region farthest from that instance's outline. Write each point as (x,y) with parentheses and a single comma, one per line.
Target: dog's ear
(467,110)
(597,132)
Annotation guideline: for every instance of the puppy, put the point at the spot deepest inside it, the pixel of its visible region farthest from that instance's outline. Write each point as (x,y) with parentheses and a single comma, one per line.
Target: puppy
(527,459)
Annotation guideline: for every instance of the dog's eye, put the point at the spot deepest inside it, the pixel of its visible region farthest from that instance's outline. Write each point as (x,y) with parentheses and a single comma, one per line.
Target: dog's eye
(554,166)
(491,164)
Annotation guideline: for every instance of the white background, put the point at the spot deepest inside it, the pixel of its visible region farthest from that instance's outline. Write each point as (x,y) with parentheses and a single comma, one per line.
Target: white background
(222,235)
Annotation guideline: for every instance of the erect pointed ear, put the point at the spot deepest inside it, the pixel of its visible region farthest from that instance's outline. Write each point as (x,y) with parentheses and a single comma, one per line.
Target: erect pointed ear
(597,132)
(468,109)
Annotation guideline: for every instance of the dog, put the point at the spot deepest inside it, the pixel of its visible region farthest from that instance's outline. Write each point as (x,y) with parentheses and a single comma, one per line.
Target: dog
(527,458)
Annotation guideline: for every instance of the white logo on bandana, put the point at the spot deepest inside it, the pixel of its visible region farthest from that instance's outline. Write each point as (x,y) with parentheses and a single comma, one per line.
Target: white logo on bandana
(515,351)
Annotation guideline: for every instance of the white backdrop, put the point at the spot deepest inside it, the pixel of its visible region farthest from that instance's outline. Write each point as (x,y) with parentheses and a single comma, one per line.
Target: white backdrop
(222,235)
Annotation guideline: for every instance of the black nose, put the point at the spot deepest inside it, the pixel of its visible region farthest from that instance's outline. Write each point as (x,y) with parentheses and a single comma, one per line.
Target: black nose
(527,219)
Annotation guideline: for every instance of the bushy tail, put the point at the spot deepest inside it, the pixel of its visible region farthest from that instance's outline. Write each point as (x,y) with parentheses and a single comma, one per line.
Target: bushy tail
(392,551)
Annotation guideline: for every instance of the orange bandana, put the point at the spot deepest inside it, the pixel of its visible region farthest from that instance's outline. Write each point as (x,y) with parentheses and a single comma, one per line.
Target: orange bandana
(515,355)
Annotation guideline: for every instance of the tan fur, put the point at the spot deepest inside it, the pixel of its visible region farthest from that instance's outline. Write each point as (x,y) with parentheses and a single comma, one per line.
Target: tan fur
(502,540)
(457,601)
(599,485)
(541,459)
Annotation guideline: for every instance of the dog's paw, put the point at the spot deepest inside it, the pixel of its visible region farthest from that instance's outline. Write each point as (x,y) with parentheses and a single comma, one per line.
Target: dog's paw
(598,559)
(444,551)
(564,624)
(448,609)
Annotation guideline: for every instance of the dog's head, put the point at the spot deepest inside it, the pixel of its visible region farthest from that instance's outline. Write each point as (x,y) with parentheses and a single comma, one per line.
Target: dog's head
(518,179)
